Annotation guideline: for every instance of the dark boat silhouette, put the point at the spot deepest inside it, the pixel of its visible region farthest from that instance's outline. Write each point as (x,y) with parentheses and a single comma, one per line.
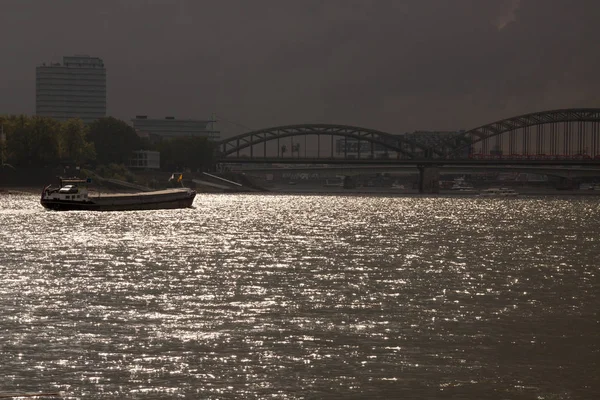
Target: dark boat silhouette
(72,194)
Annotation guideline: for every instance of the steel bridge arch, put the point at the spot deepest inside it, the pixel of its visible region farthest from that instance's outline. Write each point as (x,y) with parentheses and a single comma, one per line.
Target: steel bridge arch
(387,140)
(521,121)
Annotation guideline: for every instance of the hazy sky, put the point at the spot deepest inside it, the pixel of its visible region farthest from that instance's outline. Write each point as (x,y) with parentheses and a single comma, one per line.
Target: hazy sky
(391,65)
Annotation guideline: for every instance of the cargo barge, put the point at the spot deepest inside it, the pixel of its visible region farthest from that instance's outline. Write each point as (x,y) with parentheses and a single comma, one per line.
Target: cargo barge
(72,194)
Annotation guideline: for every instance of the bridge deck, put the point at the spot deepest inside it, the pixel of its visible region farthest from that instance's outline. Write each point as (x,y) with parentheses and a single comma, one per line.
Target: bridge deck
(414,161)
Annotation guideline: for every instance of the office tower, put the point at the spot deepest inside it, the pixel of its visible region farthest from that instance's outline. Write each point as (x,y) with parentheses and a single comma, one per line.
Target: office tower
(74,89)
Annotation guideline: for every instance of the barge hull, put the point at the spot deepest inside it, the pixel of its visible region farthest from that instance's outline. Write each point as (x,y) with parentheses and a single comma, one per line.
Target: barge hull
(58,205)
(164,199)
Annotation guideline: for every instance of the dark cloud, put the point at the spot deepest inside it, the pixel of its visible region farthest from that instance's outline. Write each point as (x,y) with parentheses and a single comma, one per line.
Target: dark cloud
(392,65)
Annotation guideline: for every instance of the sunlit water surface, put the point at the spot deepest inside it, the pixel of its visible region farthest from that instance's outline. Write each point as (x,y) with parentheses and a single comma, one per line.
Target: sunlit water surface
(252,296)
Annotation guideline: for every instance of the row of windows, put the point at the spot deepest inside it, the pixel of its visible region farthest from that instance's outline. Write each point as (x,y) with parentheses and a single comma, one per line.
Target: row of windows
(42,109)
(50,97)
(67,106)
(62,104)
(95,89)
(74,197)
(79,79)
(208,135)
(70,114)
(72,95)
(191,133)
(49,77)
(70,71)
(66,74)
(63,115)
(183,134)
(70,100)
(171,128)
(81,65)
(100,81)
(172,131)
(71,86)
(82,115)
(140,161)
(76,90)
(70,79)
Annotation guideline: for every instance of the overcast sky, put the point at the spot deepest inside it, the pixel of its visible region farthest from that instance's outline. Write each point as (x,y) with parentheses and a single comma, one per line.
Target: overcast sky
(391,65)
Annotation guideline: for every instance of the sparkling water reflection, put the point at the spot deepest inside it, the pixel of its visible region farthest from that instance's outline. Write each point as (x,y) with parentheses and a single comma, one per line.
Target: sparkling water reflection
(251,296)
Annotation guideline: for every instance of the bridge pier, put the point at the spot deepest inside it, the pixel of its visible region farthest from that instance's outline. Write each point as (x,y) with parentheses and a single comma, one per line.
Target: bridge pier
(349,182)
(566,183)
(429,179)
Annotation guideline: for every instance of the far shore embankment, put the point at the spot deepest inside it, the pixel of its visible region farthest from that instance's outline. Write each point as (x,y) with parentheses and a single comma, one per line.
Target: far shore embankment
(37,190)
(20,190)
(31,181)
(328,191)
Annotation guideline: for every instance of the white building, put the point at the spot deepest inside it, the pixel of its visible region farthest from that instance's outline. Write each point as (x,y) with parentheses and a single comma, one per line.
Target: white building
(169,127)
(74,89)
(145,159)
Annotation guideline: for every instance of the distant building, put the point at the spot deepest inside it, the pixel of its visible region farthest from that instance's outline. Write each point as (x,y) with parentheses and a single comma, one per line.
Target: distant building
(145,159)
(350,147)
(169,127)
(412,142)
(74,89)
(441,140)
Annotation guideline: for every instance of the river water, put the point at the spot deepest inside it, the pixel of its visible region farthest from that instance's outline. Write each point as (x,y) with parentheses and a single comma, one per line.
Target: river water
(291,296)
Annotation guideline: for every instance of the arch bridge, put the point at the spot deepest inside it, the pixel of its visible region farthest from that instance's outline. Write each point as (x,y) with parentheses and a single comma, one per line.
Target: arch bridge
(557,134)
(555,137)
(565,133)
(341,141)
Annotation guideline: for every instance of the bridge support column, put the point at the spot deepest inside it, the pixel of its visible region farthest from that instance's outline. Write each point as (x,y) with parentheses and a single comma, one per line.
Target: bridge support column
(429,179)
(566,183)
(349,182)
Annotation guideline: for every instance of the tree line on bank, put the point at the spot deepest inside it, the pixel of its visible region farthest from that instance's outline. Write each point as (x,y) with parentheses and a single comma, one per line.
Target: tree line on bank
(32,141)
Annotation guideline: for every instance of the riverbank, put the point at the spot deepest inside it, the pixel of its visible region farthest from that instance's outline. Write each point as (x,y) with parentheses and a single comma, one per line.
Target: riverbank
(389,191)
(19,190)
(37,190)
(316,190)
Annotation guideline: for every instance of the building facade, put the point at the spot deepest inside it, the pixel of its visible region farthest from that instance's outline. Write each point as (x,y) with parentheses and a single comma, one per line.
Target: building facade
(145,159)
(169,127)
(440,140)
(74,89)
(350,147)
(411,142)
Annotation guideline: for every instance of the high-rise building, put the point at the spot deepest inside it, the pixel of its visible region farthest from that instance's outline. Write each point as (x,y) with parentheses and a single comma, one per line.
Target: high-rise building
(74,89)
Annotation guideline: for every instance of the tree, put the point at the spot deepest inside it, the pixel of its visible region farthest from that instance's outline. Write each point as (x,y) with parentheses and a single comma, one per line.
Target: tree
(195,153)
(73,143)
(114,140)
(31,141)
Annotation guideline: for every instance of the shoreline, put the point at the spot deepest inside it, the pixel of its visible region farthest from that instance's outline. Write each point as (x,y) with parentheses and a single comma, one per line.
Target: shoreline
(29,190)
(4,190)
(20,190)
